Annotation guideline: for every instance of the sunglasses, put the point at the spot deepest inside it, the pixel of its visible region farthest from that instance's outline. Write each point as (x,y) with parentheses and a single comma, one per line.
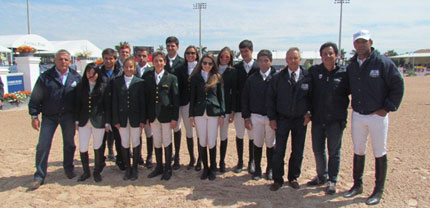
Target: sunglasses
(190,53)
(207,63)
(225,57)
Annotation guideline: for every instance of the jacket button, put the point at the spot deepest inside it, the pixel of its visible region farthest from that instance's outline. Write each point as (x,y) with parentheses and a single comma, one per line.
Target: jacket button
(359,90)
(156,97)
(156,101)
(156,92)
(358,78)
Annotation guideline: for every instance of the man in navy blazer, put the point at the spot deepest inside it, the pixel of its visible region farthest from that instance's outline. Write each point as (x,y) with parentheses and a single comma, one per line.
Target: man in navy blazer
(53,96)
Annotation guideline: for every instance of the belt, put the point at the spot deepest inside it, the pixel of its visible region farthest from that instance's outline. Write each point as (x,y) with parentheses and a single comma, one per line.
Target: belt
(365,112)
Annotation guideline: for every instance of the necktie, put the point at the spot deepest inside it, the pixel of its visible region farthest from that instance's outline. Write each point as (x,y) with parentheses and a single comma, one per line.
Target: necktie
(293,78)
(264,76)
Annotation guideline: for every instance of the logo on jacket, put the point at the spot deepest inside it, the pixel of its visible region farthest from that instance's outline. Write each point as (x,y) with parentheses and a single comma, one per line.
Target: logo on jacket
(73,84)
(305,86)
(374,73)
(320,76)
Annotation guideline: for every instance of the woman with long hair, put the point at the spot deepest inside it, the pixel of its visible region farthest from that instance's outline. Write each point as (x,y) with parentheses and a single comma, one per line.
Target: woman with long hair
(226,69)
(184,83)
(207,110)
(92,116)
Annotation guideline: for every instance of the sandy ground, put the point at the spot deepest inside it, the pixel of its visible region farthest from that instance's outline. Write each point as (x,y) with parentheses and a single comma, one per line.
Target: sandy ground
(407,185)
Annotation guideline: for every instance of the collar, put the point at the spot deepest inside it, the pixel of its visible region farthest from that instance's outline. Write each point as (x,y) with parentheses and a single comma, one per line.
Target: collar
(267,73)
(297,72)
(172,59)
(59,73)
(160,74)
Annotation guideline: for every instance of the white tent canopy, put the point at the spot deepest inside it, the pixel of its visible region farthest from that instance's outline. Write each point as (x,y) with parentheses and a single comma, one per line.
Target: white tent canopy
(4,49)
(412,55)
(36,41)
(76,46)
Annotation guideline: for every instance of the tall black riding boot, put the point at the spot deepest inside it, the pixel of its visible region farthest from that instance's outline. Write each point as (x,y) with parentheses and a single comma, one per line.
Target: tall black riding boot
(141,161)
(190,146)
(223,151)
(239,148)
(204,156)
(109,141)
(357,174)
(258,152)
(199,158)
(269,155)
(136,160)
(380,175)
(177,138)
(159,167)
(126,160)
(168,165)
(149,150)
(251,163)
(212,169)
(85,167)
(117,138)
(99,164)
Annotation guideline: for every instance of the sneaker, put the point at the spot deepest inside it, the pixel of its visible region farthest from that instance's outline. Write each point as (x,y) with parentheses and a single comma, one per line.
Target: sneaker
(316,181)
(331,188)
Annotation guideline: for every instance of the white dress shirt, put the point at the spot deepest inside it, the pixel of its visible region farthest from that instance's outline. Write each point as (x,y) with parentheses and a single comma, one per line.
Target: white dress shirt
(128,80)
(248,66)
(158,76)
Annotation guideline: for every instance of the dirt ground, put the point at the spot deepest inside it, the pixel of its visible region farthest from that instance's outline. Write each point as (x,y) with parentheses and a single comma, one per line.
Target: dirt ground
(407,185)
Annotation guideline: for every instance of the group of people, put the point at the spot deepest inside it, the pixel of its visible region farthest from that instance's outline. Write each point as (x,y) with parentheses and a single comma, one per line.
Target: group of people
(118,99)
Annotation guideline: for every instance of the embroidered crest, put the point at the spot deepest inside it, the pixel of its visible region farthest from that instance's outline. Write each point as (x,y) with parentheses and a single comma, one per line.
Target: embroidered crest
(73,84)
(165,85)
(337,80)
(305,86)
(320,76)
(374,73)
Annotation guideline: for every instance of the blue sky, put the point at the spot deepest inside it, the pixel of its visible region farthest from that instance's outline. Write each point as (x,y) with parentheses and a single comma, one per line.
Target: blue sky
(274,24)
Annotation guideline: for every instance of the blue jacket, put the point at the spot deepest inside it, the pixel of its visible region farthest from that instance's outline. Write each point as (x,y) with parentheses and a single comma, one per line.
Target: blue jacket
(50,97)
(376,84)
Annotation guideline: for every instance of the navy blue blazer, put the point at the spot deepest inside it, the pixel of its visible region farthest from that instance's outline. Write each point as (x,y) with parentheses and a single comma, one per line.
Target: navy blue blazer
(50,97)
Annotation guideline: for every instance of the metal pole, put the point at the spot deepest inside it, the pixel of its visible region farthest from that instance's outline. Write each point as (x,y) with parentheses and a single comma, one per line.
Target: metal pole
(340,28)
(28,18)
(200,31)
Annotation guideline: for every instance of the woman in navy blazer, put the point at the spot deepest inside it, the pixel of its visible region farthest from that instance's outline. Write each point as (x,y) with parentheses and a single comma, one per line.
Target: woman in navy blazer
(128,109)
(92,116)
(207,109)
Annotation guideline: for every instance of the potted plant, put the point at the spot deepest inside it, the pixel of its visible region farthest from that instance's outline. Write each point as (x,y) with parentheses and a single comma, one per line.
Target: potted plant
(16,98)
(26,50)
(83,55)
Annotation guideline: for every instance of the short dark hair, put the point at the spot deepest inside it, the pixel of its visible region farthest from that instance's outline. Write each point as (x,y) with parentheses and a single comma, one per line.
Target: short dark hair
(172,39)
(110,51)
(264,52)
(246,44)
(329,44)
(158,53)
(139,49)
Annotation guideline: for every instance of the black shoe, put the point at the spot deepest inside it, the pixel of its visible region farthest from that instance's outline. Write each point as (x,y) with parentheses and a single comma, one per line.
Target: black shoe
(331,188)
(190,146)
(316,181)
(223,151)
(177,139)
(120,164)
(380,175)
(294,184)
(355,190)
(239,148)
(35,184)
(159,167)
(205,174)
(70,174)
(167,166)
(275,186)
(251,163)
(211,175)
(85,167)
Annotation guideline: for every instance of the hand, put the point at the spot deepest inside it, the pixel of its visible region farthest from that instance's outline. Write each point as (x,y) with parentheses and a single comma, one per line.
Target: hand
(248,124)
(307,117)
(381,112)
(117,126)
(173,124)
(35,123)
(231,117)
(192,122)
(273,124)
(220,120)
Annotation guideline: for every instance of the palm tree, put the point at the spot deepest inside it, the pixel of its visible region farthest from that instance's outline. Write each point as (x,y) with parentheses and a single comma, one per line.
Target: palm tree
(117,47)
(160,48)
(204,49)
